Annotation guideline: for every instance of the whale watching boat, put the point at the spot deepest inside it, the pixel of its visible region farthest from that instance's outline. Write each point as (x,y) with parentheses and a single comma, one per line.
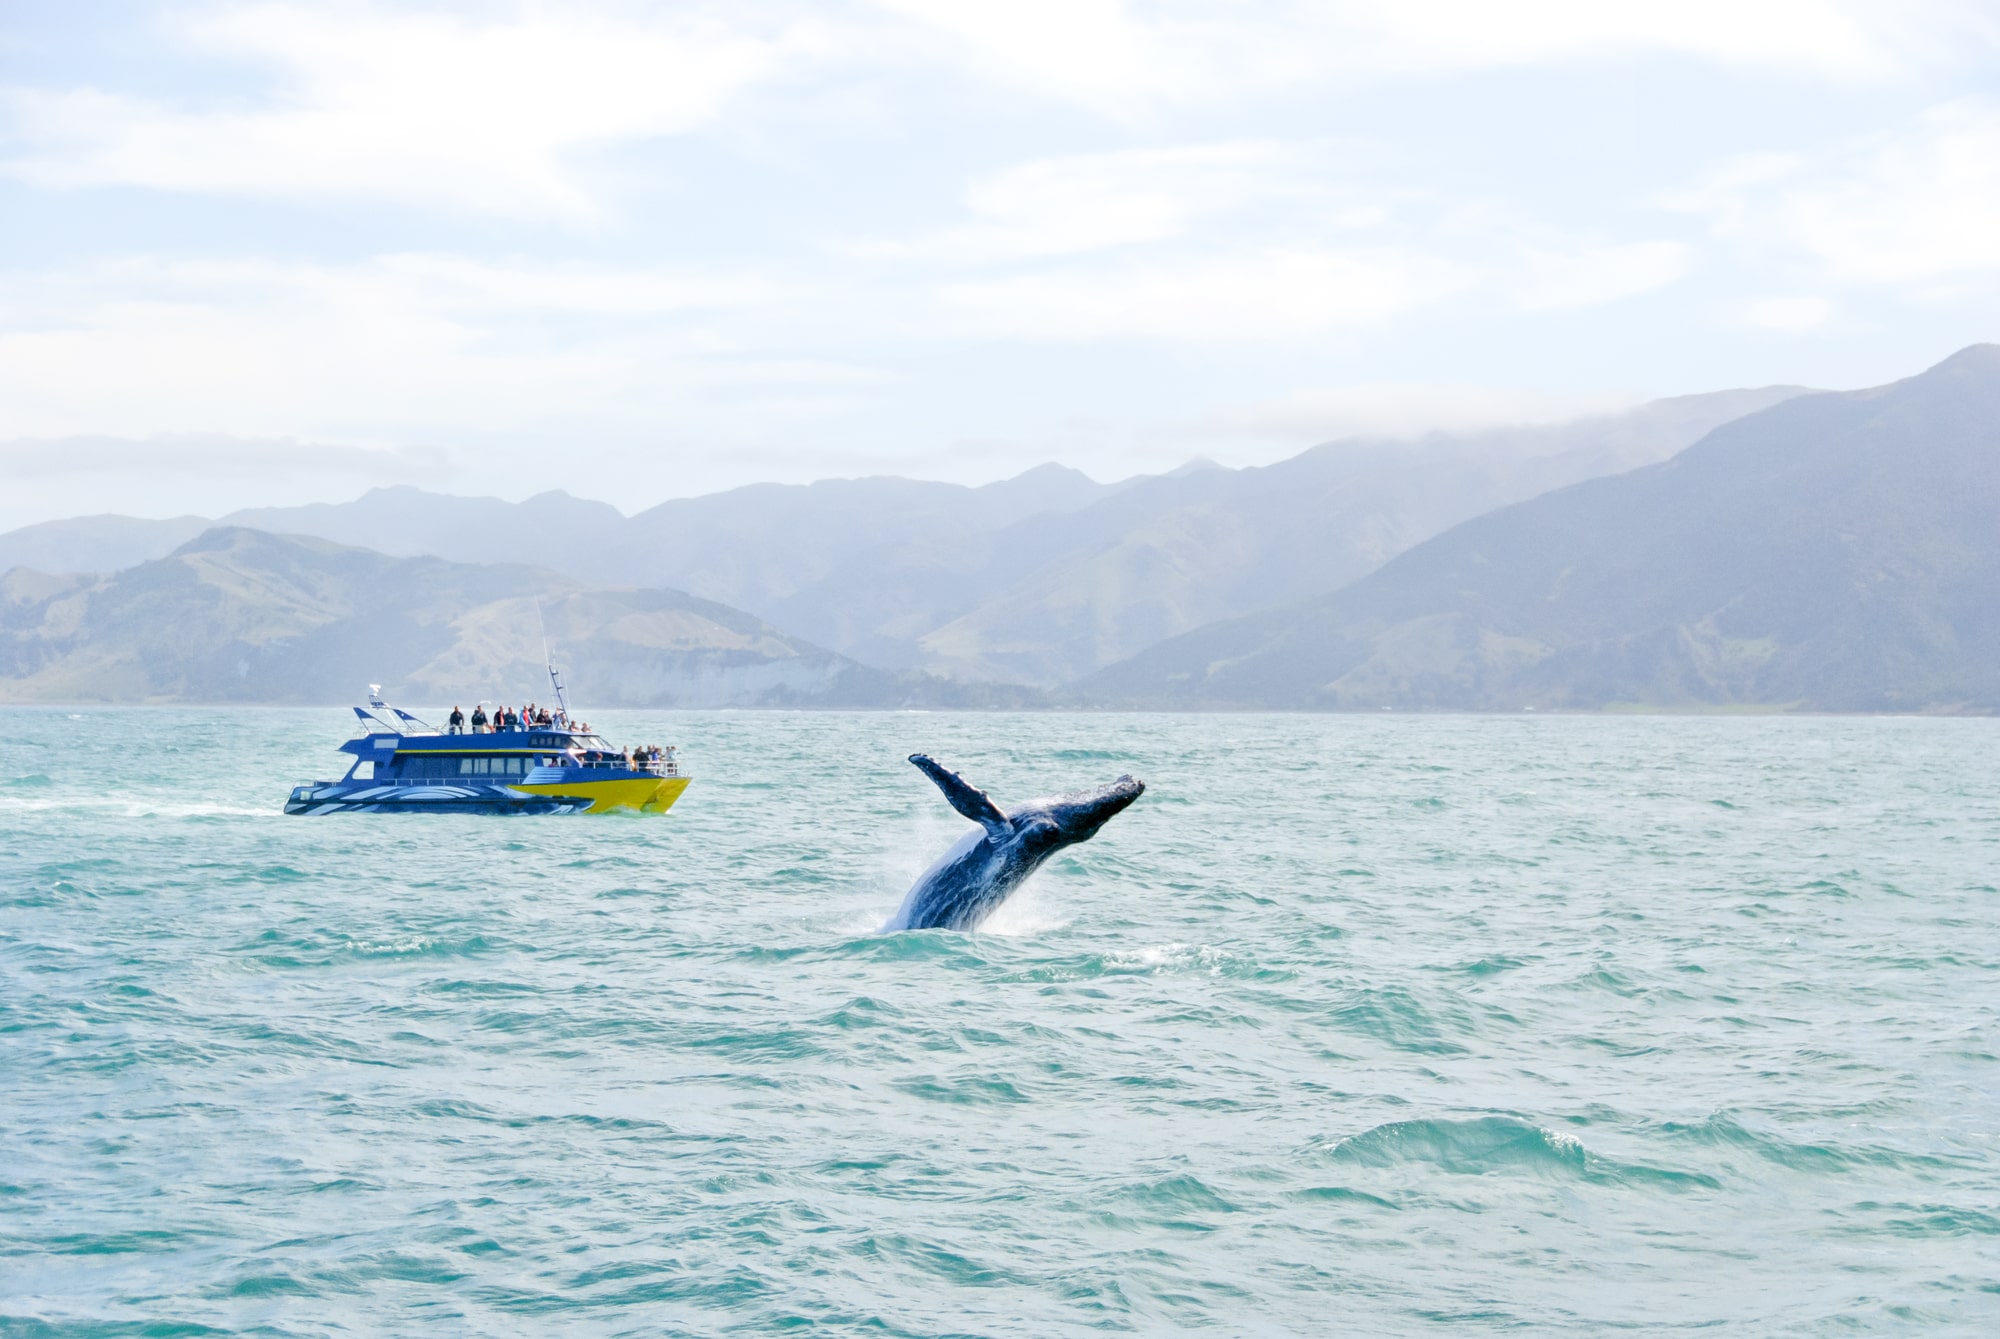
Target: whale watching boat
(550,765)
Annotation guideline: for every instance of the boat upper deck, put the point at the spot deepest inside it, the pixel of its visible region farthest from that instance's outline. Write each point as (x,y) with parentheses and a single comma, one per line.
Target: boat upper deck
(406,748)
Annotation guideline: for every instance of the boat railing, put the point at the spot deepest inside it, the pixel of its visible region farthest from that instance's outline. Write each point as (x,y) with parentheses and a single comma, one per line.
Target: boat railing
(620,765)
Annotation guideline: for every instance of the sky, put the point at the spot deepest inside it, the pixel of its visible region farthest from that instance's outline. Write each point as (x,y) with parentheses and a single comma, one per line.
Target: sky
(260,253)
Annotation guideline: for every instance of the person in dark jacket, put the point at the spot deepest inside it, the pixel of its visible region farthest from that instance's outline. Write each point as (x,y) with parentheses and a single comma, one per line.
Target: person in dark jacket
(457,721)
(479,720)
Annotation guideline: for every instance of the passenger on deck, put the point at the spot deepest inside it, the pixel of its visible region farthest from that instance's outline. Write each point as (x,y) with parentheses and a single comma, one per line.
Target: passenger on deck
(457,721)
(479,719)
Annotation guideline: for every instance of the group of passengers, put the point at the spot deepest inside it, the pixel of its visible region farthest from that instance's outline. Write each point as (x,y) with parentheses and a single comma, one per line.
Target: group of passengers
(507,718)
(650,757)
(646,757)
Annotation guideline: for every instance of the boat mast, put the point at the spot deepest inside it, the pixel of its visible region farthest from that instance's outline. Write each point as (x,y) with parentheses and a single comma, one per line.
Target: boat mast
(549,657)
(375,706)
(555,681)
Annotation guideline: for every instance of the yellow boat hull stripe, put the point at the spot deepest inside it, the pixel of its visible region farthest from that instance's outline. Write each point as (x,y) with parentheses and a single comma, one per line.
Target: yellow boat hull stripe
(648,794)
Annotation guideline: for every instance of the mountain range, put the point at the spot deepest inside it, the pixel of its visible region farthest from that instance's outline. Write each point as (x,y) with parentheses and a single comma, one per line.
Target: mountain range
(1762,549)
(1034,580)
(238,615)
(1837,551)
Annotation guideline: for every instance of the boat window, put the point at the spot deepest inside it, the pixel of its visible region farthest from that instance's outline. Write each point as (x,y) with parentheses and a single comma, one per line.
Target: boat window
(465,766)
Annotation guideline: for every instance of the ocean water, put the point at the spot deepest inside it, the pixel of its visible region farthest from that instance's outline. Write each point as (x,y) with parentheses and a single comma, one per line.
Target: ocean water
(1352,1025)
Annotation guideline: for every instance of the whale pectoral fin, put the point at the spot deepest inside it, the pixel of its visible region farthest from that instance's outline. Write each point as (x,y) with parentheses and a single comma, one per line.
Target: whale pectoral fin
(964,798)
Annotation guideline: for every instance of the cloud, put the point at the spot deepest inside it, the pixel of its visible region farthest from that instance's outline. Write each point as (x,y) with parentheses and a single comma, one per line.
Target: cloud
(1269,293)
(1914,207)
(411,343)
(1794,315)
(1587,276)
(1280,291)
(431,108)
(1129,60)
(1839,38)
(1087,202)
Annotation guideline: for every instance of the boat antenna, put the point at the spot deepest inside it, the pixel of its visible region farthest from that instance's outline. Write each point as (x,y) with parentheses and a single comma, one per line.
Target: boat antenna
(376,706)
(549,658)
(370,712)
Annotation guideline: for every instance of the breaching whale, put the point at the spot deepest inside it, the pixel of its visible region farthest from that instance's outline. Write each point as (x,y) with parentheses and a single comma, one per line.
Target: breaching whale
(973,878)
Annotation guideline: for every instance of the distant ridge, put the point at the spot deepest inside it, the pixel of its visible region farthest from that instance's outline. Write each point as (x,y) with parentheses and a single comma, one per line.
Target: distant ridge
(1838,551)
(95,543)
(1035,579)
(1052,598)
(238,615)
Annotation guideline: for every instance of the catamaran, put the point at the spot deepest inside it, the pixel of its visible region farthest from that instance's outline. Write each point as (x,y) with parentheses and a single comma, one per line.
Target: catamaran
(552,765)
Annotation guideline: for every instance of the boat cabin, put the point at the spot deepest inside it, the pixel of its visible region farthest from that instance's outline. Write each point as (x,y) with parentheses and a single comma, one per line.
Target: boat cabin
(495,756)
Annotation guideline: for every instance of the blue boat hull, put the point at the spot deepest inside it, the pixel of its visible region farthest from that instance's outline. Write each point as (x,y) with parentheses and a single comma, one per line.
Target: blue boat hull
(376,797)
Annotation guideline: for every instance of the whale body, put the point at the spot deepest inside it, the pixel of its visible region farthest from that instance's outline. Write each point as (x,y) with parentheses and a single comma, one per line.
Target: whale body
(973,878)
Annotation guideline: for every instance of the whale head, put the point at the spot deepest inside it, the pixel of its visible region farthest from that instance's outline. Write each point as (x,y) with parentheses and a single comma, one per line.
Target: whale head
(1078,815)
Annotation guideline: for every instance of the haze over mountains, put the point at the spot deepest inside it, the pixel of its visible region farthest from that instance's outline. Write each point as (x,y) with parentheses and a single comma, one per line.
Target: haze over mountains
(1835,552)
(237,615)
(1034,580)
(1766,547)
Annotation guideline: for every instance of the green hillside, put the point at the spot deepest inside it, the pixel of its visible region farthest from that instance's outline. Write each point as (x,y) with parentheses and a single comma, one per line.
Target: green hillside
(236,615)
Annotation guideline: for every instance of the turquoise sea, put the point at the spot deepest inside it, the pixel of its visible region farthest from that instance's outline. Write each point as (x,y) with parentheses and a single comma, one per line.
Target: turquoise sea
(1352,1025)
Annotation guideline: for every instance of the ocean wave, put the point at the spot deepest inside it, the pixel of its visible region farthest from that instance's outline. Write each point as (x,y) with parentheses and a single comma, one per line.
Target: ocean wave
(964,1090)
(1177,959)
(1400,1019)
(126,806)
(1801,1155)
(1178,1201)
(275,948)
(1920,1220)
(1485,1144)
